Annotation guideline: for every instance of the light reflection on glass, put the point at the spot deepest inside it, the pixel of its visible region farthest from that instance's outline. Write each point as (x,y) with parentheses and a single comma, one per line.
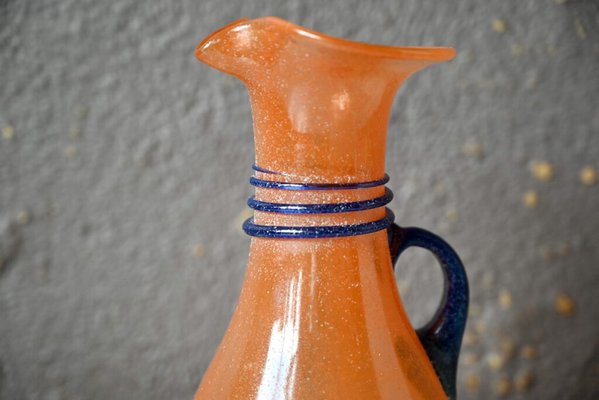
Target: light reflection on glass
(281,359)
(341,100)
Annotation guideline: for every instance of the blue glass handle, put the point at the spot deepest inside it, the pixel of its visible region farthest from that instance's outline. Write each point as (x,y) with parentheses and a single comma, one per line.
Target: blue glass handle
(442,336)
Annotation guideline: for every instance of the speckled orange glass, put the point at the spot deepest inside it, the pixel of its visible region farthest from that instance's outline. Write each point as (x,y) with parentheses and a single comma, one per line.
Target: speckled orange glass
(318,318)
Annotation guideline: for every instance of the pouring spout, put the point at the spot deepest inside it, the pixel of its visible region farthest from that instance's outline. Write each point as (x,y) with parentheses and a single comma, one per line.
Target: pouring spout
(217,48)
(215,37)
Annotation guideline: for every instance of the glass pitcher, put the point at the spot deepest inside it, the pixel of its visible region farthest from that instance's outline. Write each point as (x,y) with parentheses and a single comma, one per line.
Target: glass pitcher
(319,315)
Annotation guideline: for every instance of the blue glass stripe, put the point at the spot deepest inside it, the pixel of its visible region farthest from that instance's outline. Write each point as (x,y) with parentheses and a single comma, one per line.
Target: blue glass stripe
(328,208)
(311,232)
(266,171)
(316,186)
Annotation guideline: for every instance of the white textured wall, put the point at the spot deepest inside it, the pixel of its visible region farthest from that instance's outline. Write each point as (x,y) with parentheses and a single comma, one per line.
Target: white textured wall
(121,157)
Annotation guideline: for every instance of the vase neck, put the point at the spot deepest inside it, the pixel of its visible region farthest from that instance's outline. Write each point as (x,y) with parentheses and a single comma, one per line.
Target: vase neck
(320,105)
(307,135)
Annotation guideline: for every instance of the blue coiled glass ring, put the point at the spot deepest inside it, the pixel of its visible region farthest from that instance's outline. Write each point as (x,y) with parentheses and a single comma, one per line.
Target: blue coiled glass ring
(307,232)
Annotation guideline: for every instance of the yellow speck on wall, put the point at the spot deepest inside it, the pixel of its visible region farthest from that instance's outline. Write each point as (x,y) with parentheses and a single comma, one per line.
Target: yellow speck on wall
(530,199)
(474,150)
(503,386)
(495,361)
(564,305)
(470,338)
(23,218)
(199,250)
(8,132)
(470,358)
(499,26)
(588,175)
(473,382)
(528,352)
(241,217)
(542,170)
(524,381)
(508,348)
(505,299)
(480,326)
(452,215)
(71,151)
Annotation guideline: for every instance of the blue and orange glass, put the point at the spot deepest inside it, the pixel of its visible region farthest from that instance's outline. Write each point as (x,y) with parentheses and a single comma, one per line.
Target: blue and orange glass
(320,316)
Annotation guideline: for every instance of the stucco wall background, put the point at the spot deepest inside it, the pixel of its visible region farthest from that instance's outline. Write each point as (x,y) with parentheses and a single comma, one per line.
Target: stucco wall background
(123,179)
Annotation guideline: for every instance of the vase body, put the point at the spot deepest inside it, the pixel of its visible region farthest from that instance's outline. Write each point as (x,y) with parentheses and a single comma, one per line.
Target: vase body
(319,315)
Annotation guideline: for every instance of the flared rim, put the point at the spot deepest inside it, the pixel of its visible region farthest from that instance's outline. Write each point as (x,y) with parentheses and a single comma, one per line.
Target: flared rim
(416,53)
(424,53)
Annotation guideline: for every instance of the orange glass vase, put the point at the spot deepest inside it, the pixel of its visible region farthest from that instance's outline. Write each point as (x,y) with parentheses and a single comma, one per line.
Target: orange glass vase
(319,316)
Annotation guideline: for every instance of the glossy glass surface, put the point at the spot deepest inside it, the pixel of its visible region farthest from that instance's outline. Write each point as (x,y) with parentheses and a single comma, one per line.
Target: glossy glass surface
(318,318)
